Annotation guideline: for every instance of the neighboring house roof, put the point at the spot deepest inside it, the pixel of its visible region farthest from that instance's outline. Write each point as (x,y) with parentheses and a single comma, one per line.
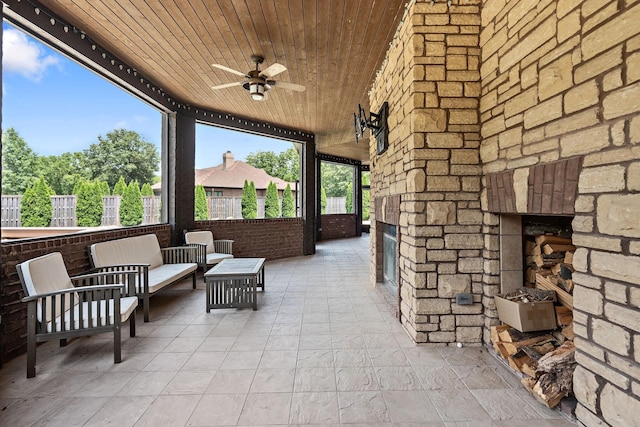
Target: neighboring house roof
(232,174)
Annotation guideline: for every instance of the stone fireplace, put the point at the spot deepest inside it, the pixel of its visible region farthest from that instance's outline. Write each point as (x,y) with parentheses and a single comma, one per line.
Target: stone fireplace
(501,109)
(386,246)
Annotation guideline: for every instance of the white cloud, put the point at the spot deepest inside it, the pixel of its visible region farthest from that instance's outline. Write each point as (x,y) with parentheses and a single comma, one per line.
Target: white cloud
(24,56)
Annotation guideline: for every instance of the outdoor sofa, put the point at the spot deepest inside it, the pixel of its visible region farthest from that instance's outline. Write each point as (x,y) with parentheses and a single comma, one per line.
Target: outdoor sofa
(155,268)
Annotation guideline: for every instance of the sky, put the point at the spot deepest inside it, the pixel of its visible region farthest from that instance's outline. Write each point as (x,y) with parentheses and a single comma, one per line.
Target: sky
(58,106)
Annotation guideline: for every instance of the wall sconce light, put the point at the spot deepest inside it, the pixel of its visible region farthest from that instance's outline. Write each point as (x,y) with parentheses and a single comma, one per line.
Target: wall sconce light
(377,123)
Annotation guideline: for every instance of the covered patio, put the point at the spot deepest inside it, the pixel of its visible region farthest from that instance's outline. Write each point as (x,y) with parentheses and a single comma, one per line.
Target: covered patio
(503,117)
(324,348)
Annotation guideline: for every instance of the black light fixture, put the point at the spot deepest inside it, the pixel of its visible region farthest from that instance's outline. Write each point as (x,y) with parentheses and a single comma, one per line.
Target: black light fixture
(377,123)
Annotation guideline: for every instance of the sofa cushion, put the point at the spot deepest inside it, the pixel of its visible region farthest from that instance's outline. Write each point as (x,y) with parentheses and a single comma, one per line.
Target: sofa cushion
(143,249)
(127,306)
(215,258)
(166,274)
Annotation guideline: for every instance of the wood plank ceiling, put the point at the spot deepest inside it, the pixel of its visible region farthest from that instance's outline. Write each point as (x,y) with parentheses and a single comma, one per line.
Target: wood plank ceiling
(333,47)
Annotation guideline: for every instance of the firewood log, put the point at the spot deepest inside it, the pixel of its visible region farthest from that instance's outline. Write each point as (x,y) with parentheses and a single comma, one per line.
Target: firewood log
(552,248)
(551,239)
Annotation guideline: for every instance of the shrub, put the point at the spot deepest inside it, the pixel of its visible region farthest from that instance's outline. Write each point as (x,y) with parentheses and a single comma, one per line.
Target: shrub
(288,204)
(89,204)
(146,190)
(131,209)
(120,187)
(103,188)
(271,202)
(249,200)
(35,208)
(323,200)
(349,201)
(202,212)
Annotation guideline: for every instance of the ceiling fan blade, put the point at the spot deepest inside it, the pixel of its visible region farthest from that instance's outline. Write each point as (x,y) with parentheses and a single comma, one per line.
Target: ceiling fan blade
(290,86)
(273,70)
(231,70)
(224,86)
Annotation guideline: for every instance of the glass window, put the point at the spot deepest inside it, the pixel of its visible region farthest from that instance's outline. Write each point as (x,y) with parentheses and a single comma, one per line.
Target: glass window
(248,176)
(73,136)
(337,190)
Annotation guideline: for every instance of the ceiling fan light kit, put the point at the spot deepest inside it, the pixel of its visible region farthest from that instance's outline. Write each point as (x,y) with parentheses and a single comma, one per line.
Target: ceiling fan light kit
(258,82)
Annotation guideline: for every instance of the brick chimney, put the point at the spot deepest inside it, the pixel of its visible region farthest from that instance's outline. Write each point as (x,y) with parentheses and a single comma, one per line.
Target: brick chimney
(227,160)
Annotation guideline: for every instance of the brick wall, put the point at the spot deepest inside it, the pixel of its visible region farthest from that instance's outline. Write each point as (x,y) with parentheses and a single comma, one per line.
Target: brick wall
(262,238)
(560,81)
(338,226)
(75,251)
(431,80)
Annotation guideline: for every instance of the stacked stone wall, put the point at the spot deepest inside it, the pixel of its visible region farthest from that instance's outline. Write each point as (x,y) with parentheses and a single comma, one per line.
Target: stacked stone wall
(431,80)
(560,80)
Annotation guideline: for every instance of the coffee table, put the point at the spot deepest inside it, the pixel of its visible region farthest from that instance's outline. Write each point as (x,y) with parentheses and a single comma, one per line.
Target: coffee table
(233,283)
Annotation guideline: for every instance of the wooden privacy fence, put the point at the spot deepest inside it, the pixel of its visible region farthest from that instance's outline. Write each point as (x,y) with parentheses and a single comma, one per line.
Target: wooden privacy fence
(10,211)
(110,210)
(64,211)
(231,207)
(336,205)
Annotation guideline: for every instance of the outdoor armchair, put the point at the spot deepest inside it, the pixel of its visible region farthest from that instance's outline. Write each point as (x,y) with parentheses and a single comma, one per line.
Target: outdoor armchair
(210,251)
(61,307)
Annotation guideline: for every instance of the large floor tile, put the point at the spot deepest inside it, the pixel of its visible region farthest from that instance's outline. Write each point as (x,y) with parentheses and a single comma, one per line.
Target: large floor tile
(362,407)
(324,349)
(266,408)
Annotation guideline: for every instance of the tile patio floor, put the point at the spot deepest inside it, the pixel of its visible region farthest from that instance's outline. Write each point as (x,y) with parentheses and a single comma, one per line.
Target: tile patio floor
(322,349)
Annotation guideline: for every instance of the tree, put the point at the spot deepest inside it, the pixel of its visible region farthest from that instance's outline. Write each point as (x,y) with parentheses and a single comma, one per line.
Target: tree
(35,207)
(271,202)
(122,153)
(366,195)
(88,204)
(335,178)
(366,201)
(146,190)
(202,212)
(288,204)
(249,200)
(120,187)
(131,209)
(19,163)
(323,200)
(103,188)
(253,199)
(285,165)
(63,171)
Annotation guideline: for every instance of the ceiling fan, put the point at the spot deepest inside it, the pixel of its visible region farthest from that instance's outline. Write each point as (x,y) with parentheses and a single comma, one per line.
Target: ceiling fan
(259,82)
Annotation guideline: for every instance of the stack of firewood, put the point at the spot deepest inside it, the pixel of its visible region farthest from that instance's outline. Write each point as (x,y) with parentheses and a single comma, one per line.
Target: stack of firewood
(546,358)
(550,256)
(549,260)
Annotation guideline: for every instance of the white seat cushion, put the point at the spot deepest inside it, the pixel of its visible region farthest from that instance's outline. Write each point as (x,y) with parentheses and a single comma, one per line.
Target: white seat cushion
(216,257)
(166,274)
(127,306)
